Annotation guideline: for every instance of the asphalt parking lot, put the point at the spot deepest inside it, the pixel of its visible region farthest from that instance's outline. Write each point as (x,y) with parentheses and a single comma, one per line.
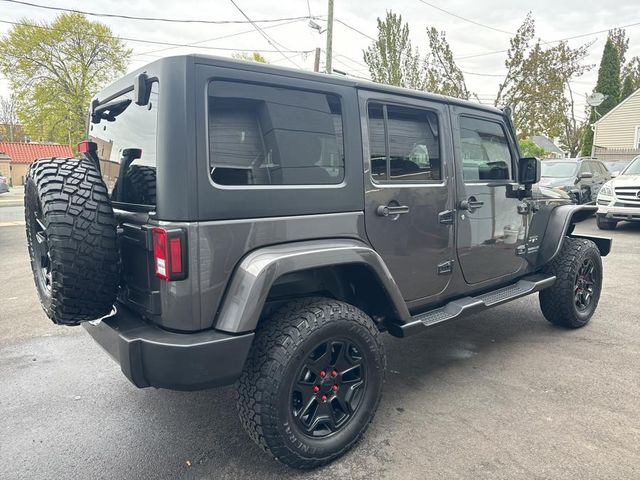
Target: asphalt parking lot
(498,395)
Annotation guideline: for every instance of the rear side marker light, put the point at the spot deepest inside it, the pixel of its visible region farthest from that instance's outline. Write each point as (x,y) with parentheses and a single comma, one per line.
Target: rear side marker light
(169,253)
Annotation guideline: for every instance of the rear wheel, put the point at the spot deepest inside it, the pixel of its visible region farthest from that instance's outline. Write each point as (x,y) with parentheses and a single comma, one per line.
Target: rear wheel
(313,382)
(605,224)
(71,236)
(572,300)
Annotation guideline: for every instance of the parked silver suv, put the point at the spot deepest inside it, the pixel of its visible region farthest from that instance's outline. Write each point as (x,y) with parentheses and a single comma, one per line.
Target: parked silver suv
(619,198)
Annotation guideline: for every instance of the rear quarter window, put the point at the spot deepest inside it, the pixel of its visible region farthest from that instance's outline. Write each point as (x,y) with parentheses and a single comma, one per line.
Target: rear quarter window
(134,127)
(268,135)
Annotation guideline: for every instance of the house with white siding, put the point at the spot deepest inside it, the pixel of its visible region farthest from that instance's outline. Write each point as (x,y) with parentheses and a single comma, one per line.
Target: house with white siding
(617,134)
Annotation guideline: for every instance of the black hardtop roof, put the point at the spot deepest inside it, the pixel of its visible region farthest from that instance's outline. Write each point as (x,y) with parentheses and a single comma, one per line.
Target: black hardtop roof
(335,79)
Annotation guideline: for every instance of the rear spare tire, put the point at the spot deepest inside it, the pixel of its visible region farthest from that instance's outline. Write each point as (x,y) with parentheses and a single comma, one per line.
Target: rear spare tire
(71,236)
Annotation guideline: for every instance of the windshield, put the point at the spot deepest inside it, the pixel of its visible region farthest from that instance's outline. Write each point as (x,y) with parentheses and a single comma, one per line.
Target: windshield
(121,124)
(633,168)
(558,169)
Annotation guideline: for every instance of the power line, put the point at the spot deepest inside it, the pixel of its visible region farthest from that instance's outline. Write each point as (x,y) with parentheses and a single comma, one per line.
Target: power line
(356,30)
(270,40)
(573,37)
(154,42)
(466,19)
(218,38)
(150,19)
(482,74)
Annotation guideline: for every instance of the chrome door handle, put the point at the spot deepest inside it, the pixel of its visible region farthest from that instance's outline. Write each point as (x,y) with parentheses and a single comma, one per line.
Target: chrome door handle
(471,204)
(391,210)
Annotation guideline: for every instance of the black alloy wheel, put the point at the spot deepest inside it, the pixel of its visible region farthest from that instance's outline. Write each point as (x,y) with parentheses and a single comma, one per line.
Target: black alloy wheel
(329,388)
(41,253)
(585,285)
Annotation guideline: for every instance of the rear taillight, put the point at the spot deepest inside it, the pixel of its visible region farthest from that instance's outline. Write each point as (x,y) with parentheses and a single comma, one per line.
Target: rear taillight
(169,253)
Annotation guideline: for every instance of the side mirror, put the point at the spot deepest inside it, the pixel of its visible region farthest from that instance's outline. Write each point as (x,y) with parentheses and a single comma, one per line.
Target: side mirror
(529,171)
(614,174)
(585,175)
(141,89)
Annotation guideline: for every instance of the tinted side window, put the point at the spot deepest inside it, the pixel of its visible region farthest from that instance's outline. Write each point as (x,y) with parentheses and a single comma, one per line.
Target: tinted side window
(263,135)
(485,150)
(404,144)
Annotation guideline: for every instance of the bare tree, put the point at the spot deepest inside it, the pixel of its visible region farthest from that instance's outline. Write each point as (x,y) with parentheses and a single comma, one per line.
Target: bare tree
(8,117)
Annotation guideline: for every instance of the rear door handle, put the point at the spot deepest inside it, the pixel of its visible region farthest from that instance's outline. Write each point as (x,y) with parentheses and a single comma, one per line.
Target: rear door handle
(471,204)
(391,210)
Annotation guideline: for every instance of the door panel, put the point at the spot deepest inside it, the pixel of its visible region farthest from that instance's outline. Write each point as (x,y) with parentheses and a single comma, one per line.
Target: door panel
(407,153)
(489,227)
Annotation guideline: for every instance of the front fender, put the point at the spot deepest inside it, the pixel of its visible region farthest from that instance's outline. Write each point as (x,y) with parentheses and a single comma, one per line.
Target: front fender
(258,270)
(549,227)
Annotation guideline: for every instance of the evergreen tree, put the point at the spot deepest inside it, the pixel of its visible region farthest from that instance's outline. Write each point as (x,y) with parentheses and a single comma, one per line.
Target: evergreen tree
(608,84)
(628,87)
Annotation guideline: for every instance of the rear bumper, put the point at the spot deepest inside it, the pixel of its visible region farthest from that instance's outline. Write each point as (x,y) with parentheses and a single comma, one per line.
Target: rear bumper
(152,357)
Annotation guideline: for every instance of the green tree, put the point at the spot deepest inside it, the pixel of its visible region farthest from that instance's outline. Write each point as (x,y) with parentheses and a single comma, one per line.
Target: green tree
(609,85)
(530,149)
(443,74)
(250,57)
(536,84)
(391,59)
(632,69)
(619,38)
(628,87)
(55,69)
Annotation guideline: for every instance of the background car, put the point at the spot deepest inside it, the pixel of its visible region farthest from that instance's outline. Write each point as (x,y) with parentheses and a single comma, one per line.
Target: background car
(581,178)
(616,167)
(4,185)
(619,199)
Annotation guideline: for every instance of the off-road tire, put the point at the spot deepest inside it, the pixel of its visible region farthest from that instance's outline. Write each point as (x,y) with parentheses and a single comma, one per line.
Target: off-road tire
(72,229)
(139,185)
(264,388)
(558,302)
(605,224)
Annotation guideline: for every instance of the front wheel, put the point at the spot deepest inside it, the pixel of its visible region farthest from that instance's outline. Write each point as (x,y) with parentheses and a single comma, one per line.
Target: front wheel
(313,381)
(573,298)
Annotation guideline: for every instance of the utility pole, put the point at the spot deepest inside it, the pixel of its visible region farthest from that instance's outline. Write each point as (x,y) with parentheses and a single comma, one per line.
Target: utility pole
(329,36)
(316,61)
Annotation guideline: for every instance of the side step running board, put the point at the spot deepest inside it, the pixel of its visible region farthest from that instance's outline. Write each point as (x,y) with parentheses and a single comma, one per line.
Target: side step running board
(468,305)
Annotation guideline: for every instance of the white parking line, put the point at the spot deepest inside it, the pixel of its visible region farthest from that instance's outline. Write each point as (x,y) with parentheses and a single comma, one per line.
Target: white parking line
(17,223)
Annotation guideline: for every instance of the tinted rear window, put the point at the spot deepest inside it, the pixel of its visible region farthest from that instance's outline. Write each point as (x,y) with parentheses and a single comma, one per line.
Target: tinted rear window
(134,127)
(265,135)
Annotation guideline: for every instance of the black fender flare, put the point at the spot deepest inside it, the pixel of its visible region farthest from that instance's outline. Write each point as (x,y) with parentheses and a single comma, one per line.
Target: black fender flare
(552,224)
(254,276)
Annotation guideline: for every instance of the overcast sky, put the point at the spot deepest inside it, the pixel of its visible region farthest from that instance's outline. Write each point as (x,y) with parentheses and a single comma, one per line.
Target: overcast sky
(555,19)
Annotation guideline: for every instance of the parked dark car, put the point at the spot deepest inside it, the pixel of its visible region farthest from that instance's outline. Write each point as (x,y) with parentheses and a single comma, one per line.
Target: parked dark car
(4,185)
(580,178)
(238,222)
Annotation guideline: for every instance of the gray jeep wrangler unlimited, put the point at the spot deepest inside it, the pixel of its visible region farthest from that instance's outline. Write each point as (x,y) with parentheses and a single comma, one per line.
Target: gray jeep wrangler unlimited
(238,222)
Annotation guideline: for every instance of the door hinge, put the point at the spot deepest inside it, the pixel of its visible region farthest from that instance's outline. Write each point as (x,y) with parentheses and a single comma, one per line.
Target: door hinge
(446,217)
(445,268)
